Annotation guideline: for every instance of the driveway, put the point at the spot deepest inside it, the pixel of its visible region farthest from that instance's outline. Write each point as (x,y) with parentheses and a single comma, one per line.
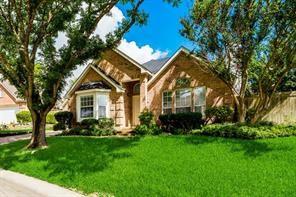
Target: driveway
(17,185)
(8,139)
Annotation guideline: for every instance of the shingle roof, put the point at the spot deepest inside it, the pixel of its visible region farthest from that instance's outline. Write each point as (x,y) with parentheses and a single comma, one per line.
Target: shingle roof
(11,89)
(155,65)
(94,85)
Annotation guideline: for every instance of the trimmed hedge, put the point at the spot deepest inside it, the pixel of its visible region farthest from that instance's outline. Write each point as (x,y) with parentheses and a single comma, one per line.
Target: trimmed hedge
(147,130)
(64,119)
(181,123)
(24,117)
(50,119)
(248,131)
(93,127)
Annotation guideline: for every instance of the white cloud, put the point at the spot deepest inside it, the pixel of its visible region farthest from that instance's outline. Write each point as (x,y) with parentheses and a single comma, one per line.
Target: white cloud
(109,23)
(141,54)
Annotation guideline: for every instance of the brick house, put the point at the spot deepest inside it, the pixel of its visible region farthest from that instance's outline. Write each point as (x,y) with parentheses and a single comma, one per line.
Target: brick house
(118,87)
(10,104)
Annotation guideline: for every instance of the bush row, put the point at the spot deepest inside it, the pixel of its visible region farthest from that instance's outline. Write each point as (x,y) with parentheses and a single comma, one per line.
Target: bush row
(248,131)
(93,127)
(181,123)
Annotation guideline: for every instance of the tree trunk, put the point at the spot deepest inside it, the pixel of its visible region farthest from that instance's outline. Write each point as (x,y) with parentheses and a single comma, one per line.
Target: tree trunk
(242,112)
(38,139)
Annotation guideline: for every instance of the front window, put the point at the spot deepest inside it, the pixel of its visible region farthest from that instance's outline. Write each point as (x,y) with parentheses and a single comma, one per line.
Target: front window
(102,103)
(183,100)
(200,99)
(87,106)
(167,102)
(136,89)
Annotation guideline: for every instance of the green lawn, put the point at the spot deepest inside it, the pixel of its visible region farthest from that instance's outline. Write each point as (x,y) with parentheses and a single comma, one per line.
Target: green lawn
(21,130)
(161,166)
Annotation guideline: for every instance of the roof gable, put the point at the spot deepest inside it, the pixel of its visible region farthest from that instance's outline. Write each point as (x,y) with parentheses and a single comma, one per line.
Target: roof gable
(107,78)
(11,90)
(172,59)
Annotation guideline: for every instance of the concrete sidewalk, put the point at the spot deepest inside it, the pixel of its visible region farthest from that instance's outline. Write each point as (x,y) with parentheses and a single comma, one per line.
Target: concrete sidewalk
(8,139)
(17,185)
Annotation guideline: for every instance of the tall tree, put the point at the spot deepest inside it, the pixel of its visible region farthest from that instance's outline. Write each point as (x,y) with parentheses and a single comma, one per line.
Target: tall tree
(29,58)
(233,36)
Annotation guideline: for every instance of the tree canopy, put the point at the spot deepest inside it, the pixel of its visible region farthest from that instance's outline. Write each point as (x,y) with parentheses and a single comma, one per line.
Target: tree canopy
(245,42)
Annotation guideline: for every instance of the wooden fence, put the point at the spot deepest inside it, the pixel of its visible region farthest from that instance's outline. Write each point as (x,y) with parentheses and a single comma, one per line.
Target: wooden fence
(283,108)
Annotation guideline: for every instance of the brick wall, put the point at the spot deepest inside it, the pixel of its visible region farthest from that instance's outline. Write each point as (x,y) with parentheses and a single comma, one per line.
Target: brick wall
(183,66)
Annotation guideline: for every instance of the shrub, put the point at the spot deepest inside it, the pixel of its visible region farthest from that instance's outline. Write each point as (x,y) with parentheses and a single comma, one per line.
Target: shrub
(64,117)
(219,114)
(89,123)
(181,122)
(248,131)
(59,126)
(147,130)
(24,117)
(50,119)
(93,127)
(146,117)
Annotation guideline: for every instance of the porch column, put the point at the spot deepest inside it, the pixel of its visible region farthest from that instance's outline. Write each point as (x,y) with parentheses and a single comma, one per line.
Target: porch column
(143,91)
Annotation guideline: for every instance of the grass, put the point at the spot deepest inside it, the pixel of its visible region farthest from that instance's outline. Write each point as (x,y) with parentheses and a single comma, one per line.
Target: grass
(161,166)
(18,130)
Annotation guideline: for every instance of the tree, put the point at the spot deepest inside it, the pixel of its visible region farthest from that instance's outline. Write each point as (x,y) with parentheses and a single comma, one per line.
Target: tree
(237,37)
(289,82)
(32,63)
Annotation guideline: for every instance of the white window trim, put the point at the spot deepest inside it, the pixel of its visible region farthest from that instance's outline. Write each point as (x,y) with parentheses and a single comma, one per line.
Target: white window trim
(190,105)
(95,95)
(194,101)
(162,107)
(87,95)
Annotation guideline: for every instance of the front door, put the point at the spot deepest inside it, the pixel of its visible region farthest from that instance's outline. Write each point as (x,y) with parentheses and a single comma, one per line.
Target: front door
(136,110)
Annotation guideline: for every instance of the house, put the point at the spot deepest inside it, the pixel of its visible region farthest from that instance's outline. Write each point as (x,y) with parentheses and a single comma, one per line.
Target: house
(118,87)
(10,104)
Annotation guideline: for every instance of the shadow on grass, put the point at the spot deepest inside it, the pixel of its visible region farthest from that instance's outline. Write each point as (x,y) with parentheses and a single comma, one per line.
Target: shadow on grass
(251,148)
(69,156)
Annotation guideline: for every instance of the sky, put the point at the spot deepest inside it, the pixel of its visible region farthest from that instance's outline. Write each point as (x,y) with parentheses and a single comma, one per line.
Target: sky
(159,38)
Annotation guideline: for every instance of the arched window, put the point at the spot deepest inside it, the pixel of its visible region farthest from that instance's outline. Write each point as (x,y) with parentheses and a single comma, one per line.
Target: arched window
(136,89)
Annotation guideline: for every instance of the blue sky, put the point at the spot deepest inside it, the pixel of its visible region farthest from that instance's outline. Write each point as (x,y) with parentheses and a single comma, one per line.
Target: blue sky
(162,30)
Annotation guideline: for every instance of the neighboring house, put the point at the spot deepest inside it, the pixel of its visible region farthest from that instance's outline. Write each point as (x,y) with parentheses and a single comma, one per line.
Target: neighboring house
(120,88)
(10,104)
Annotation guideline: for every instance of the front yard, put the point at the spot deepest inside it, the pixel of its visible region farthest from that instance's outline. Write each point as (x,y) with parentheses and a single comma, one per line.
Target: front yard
(161,165)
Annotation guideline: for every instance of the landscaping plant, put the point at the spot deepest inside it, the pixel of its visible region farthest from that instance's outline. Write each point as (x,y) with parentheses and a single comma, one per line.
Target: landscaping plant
(219,114)
(147,126)
(181,123)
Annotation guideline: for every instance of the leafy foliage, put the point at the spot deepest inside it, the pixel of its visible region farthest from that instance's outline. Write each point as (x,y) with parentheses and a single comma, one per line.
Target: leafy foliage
(23,117)
(93,127)
(147,130)
(147,127)
(50,119)
(219,114)
(181,123)
(246,44)
(64,118)
(249,131)
(146,117)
